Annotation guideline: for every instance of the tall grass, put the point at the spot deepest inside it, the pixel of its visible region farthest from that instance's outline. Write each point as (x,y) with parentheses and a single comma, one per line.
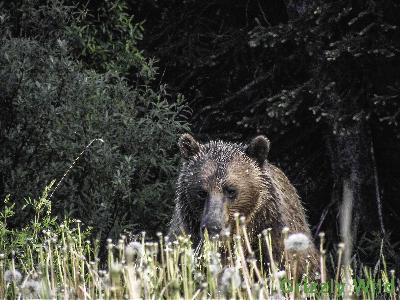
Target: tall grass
(49,260)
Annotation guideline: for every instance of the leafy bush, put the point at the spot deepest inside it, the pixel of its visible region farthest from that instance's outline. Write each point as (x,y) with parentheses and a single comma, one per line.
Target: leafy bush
(105,38)
(53,108)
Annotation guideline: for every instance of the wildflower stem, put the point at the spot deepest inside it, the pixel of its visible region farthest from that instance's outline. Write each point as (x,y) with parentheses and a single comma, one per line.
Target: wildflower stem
(275,278)
(340,252)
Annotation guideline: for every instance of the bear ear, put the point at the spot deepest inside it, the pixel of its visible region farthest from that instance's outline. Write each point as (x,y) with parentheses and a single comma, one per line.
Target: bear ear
(188,146)
(258,149)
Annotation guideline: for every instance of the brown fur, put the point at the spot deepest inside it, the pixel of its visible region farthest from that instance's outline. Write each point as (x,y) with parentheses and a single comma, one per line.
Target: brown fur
(263,194)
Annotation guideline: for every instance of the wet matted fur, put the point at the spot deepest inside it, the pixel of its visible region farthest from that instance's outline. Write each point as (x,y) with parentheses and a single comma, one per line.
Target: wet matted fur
(218,179)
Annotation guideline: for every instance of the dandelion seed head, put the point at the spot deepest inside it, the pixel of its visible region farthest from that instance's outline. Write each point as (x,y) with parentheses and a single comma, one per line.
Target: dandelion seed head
(281,274)
(214,266)
(116,268)
(251,259)
(133,251)
(12,276)
(297,242)
(198,277)
(35,276)
(231,276)
(317,275)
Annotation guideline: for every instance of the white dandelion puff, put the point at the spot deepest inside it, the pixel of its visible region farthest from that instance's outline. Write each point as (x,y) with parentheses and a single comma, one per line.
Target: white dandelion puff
(12,276)
(214,265)
(281,274)
(231,277)
(116,268)
(297,242)
(133,251)
(198,277)
(214,268)
(31,288)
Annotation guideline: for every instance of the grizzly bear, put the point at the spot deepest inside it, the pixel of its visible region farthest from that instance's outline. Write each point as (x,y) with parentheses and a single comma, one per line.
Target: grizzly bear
(219,179)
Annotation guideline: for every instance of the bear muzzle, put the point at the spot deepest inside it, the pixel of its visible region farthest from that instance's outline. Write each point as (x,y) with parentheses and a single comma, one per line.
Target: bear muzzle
(213,219)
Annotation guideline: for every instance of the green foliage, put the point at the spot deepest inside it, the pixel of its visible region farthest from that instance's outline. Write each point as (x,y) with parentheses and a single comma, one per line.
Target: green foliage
(109,146)
(34,248)
(106,39)
(40,221)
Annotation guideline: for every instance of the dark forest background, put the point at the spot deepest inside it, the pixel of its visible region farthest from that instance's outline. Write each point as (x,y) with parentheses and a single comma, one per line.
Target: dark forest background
(321,79)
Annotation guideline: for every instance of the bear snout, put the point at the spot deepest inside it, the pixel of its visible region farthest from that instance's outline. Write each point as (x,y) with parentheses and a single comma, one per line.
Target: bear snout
(213,228)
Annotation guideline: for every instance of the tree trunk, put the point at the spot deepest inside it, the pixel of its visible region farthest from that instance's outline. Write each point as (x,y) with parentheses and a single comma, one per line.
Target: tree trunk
(353,171)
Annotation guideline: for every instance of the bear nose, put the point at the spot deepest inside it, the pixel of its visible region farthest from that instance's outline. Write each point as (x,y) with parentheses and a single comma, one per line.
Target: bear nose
(212,229)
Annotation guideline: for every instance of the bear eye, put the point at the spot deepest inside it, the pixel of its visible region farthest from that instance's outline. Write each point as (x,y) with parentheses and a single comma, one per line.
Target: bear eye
(230,192)
(202,195)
